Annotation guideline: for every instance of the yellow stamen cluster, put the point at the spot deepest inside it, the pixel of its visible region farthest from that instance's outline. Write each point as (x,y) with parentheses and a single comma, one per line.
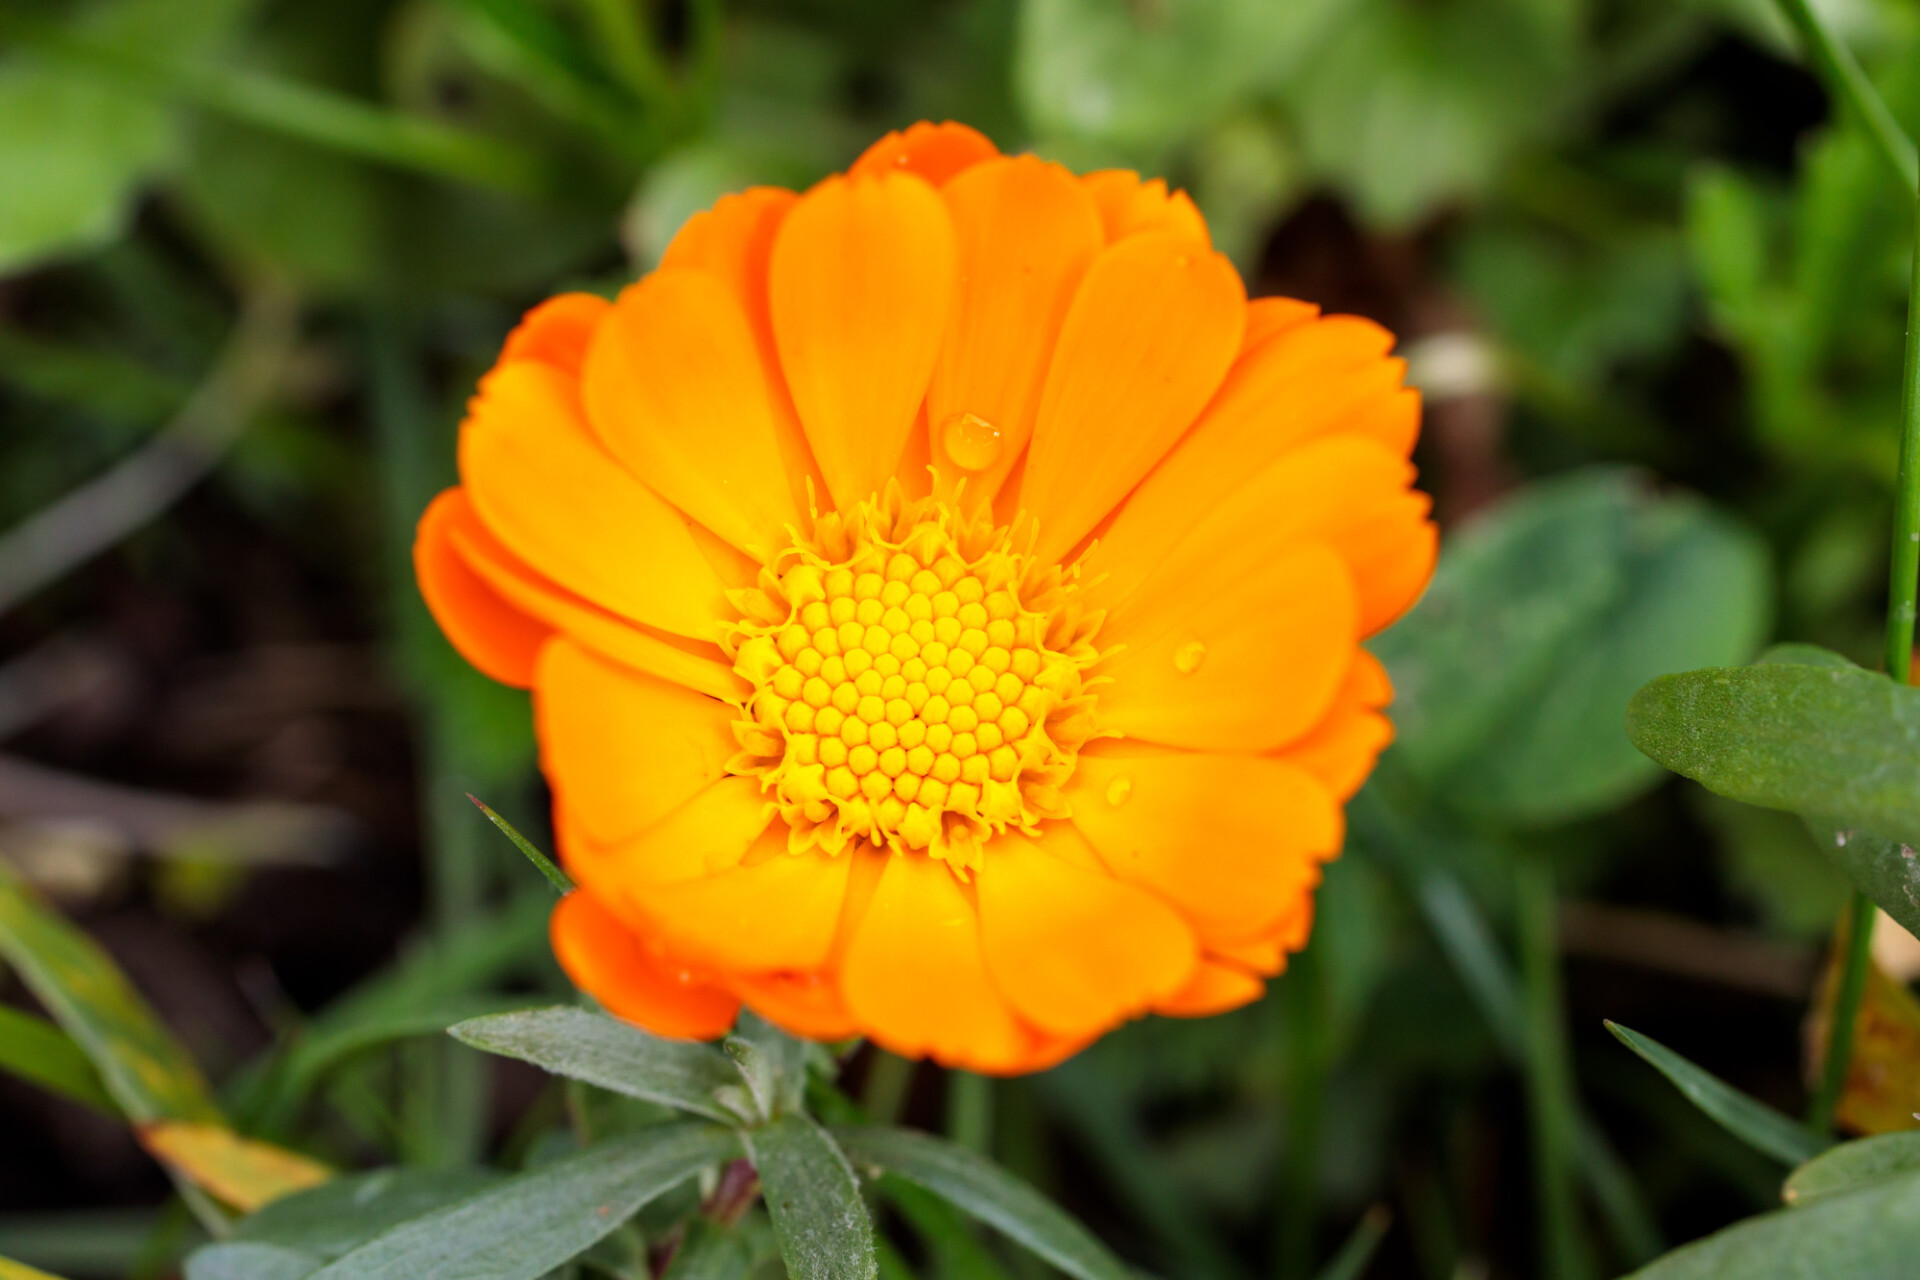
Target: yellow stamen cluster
(916,682)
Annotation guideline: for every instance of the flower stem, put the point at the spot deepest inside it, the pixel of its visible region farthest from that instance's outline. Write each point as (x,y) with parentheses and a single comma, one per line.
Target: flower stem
(1844,79)
(970,1110)
(1564,1255)
(1861,914)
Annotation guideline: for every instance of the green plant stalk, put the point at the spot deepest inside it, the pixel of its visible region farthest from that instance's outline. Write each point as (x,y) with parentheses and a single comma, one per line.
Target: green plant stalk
(1861,913)
(1550,1101)
(970,1111)
(619,28)
(1308,1064)
(1844,79)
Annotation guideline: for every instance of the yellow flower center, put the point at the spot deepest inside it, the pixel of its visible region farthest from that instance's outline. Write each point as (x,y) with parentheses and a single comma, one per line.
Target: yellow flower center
(916,681)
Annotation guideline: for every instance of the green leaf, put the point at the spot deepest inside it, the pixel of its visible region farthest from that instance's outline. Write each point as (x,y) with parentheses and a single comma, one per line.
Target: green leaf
(814,1200)
(560,880)
(773,1063)
(75,144)
(524,1227)
(1869,1234)
(710,1251)
(1853,1165)
(981,1188)
(146,1070)
(1512,675)
(36,1050)
(1142,78)
(611,1054)
(250,1261)
(1754,1123)
(1351,1262)
(346,1212)
(1838,742)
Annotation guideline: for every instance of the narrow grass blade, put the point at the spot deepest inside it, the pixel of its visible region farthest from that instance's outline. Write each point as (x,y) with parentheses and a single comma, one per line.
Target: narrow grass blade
(143,1067)
(37,1051)
(1351,1262)
(814,1200)
(978,1187)
(1754,1123)
(526,1226)
(547,867)
(611,1054)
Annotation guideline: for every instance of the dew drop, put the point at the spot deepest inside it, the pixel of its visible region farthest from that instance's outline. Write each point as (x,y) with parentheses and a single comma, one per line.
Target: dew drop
(1188,657)
(1119,791)
(971,441)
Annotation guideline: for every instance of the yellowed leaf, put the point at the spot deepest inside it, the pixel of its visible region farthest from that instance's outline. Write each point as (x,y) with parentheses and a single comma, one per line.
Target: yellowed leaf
(1882,1090)
(237,1171)
(11,1270)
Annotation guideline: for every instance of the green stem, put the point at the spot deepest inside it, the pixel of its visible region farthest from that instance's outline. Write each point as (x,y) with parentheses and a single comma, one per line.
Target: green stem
(298,110)
(1550,1095)
(1905,568)
(1844,79)
(1304,1091)
(623,35)
(1861,914)
(970,1110)
(884,1095)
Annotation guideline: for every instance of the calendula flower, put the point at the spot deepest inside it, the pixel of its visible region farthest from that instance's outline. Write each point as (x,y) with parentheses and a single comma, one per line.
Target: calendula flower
(942,595)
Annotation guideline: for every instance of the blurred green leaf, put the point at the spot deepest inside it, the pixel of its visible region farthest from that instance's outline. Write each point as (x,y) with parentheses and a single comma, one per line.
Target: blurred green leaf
(1853,1165)
(1351,1262)
(814,1200)
(76,143)
(1755,1123)
(525,1226)
(709,1251)
(1141,78)
(1512,675)
(1838,742)
(145,1069)
(979,1187)
(611,1054)
(250,1261)
(1869,1234)
(346,1212)
(36,1050)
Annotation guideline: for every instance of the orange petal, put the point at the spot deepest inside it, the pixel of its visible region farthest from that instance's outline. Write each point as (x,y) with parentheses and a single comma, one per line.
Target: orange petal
(733,241)
(708,834)
(1130,207)
(628,748)
(1075,951)
(775,913)
(1027,232)
(1232,841)
(1231,646)
(1346,491)
(490,633)
(675,659)
(914,976)
(1215,988)
(1341,749)
(676,389)
(558,332)
(1269,317)
(805,1004)
(937,152)
(861,285)
(608,963)
(1151,332)
(547,489)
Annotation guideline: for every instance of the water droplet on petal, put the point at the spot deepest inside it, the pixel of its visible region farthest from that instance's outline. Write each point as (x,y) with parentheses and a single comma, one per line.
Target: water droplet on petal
(1119,791)
(971,441)
(1188,657)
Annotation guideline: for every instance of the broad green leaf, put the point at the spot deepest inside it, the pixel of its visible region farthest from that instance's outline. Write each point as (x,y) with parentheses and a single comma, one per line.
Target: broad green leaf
(1853,1165)
(814,1200)
(242,1172)
(1512,675)
(1142,78)
(146,1070)
(1753,1122)
(1869,1234)
(346,1212)
(611,1054)
(250,1261)
(1838,742)
(978,1187)
(527,1225)
(36,1050)
(75,144)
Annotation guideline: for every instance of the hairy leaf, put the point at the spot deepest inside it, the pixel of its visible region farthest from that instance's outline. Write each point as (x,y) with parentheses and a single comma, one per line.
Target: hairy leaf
(814,1200)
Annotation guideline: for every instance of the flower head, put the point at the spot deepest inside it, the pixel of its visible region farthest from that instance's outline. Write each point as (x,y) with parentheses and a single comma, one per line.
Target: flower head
(942,593)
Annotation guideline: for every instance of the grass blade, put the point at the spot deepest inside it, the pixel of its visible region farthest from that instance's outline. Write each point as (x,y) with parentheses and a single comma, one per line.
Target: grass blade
(559,879)
(1351,1262)
(1753,1122)
(36,1050)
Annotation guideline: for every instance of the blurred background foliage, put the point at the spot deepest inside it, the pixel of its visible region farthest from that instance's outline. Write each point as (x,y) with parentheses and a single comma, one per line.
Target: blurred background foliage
(254,253)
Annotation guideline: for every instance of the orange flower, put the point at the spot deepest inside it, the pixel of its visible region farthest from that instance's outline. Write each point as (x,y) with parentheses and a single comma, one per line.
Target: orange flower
(942,594)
